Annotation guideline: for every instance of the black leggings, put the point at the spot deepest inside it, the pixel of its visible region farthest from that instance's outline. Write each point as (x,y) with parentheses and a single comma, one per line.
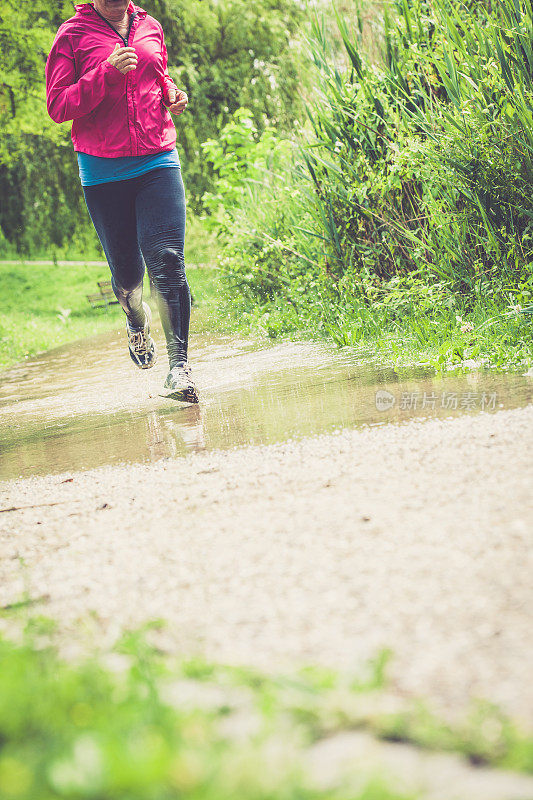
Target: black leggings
(142,221)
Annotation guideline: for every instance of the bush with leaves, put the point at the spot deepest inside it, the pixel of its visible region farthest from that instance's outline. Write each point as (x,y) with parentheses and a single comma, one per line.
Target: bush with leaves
(417,168)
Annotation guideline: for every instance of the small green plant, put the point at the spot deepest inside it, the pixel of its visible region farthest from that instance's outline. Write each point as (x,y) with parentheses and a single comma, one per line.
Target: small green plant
(240,158)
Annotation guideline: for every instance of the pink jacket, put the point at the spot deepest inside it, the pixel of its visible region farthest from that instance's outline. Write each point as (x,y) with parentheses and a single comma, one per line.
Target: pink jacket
(114,114)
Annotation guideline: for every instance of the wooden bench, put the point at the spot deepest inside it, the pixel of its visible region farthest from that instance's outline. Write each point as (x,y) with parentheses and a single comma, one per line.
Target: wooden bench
(105,298)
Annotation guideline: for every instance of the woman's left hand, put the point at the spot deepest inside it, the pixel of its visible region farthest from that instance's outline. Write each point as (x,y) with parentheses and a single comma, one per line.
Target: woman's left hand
(177,101)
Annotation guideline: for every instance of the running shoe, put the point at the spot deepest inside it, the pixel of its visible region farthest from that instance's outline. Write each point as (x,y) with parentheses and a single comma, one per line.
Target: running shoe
(141,344)
(179,384)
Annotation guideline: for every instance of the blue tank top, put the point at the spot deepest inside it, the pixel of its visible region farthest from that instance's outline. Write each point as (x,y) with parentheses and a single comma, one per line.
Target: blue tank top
(97,169)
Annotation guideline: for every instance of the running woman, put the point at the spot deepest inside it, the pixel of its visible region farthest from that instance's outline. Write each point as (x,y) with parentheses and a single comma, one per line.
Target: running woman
(107,71)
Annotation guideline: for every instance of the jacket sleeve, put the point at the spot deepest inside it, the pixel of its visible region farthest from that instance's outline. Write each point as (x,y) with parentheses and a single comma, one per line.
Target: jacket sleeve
(66,97)
(165,80)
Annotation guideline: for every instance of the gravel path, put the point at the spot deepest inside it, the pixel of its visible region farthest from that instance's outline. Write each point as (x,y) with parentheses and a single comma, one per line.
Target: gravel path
(414,537)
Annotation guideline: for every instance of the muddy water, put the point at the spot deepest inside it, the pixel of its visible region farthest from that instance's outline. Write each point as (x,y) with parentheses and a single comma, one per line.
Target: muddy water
(85,405)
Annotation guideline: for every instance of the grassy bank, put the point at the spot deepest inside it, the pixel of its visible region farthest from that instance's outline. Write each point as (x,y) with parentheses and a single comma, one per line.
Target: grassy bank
(134,724)
(45,305)
(413,324)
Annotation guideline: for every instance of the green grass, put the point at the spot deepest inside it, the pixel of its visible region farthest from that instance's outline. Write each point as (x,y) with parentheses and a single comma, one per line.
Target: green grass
(135,732)
(82,731)
(44,306)
(410,324)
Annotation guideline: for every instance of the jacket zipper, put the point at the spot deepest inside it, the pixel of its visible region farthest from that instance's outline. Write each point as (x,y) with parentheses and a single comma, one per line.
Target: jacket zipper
(126,40)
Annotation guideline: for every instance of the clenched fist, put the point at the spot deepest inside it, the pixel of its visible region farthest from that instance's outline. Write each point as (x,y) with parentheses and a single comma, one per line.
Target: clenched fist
(177,101)
(123,58)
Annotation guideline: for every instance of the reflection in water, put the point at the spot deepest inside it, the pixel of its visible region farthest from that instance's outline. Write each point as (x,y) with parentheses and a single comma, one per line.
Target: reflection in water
(84,405)
(164,435)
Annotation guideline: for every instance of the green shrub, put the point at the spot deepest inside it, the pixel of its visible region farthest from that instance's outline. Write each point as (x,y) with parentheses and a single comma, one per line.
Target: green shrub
(418,166)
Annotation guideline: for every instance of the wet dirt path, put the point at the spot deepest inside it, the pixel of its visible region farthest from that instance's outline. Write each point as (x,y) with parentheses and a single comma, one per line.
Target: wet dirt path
(284,520)
(84,405)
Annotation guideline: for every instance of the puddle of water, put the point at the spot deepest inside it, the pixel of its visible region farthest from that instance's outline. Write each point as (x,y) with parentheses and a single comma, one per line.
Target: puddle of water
(85,405)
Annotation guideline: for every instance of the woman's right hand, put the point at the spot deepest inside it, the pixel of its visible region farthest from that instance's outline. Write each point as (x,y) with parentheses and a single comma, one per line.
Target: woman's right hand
(123,58)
